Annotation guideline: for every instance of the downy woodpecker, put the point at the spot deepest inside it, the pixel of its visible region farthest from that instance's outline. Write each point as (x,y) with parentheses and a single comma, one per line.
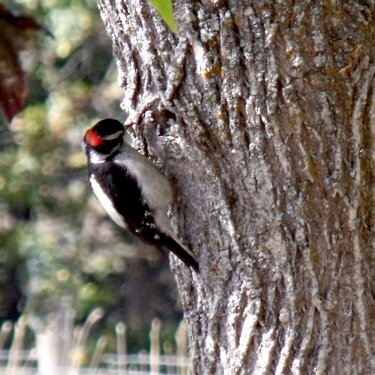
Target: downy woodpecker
(131,189)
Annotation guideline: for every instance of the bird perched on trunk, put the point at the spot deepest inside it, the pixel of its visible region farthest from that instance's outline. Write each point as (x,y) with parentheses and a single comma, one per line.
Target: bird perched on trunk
(131,189)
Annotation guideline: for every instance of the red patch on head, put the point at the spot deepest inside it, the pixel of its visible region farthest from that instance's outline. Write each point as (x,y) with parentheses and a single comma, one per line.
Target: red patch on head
(93,138)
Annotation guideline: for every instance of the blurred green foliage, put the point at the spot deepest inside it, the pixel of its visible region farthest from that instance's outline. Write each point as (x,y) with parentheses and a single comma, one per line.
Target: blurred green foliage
(57,247)
(165,10)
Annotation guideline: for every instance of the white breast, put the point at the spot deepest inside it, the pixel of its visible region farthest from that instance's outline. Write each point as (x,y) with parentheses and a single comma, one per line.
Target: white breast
(106,203)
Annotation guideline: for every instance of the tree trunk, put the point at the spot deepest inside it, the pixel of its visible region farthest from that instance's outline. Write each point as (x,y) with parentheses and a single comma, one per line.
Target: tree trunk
(262,114)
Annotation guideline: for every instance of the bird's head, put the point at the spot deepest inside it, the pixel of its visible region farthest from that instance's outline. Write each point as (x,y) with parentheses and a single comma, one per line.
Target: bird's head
(105,137)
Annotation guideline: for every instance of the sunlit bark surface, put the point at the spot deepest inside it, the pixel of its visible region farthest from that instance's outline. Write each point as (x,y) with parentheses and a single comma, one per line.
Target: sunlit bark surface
(262,115)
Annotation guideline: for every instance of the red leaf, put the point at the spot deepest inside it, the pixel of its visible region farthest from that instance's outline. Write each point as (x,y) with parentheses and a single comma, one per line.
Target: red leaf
(13,92)
(16,33)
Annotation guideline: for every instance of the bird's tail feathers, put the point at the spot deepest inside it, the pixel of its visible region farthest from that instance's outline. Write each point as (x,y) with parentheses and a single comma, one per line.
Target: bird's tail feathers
(182,252)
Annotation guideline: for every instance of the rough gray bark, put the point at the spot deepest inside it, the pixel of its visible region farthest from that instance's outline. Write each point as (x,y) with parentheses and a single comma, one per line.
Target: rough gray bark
(262,113)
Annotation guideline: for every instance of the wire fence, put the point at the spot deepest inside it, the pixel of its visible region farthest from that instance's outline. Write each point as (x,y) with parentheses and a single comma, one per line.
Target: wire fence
(111,364)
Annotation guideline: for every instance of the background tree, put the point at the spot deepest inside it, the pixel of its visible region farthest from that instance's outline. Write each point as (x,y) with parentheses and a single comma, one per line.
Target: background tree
(262,113)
